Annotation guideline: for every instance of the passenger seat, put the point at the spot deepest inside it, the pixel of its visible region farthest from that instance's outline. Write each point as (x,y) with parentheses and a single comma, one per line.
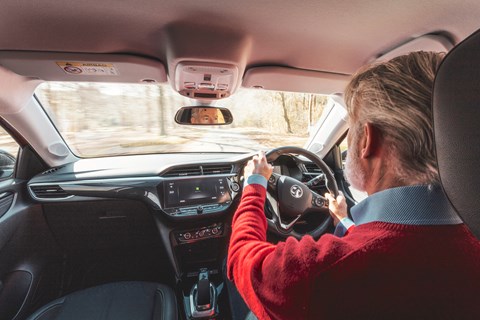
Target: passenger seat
(113,301)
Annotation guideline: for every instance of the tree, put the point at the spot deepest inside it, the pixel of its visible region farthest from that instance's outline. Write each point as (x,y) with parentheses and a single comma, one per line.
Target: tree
(149,112)
(285,111)
(161,105)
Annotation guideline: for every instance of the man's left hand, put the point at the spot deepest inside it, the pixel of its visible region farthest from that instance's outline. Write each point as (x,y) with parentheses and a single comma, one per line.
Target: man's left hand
(258,165)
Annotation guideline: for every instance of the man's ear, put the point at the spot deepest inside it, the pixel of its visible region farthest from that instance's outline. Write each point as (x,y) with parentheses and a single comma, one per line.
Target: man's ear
(370,142)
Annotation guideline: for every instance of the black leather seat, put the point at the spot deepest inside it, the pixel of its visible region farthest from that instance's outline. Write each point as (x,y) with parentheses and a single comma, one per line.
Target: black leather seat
(456,114)
(114,301)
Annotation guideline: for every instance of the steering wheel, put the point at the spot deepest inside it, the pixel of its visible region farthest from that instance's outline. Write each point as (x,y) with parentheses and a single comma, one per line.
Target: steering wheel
(290,199)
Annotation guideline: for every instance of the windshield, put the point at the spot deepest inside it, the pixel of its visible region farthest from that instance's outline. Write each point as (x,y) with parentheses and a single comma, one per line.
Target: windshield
(105,119)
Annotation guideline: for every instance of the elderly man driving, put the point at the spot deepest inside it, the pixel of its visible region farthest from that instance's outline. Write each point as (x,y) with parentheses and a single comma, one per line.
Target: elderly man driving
(404,253)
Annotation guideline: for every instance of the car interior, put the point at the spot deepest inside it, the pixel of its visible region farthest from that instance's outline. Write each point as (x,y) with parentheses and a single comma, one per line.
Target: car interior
(125,127)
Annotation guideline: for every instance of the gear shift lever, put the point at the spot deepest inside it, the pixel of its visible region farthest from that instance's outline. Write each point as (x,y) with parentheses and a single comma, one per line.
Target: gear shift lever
(203,301)
(203,297)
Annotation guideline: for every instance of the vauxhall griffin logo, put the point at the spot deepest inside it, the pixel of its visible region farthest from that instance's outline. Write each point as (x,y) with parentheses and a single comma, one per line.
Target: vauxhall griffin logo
(296,191)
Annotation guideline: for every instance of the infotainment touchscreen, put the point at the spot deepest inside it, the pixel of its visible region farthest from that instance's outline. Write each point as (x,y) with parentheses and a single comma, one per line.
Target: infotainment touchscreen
(187,192)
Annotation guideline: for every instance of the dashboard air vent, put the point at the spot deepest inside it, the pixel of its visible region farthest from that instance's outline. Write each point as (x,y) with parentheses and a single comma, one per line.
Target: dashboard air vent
(312,168)
(217,169)
(49,192)
(51,170)
(183,172)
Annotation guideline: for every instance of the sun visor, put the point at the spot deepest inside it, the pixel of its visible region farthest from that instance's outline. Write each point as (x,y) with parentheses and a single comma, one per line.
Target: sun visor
(436,43)
(295,80)
(15,91)
(55,66)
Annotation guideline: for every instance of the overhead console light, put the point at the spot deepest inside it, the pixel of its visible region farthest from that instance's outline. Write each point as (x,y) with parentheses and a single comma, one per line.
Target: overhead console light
(205,80)
(206,62)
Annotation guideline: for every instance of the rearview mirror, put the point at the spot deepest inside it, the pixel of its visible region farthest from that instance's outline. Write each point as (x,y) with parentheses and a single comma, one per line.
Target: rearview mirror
(203,115)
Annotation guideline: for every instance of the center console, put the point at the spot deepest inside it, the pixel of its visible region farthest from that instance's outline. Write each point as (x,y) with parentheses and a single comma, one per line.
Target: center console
(201,209)
(202,302)
(200,260)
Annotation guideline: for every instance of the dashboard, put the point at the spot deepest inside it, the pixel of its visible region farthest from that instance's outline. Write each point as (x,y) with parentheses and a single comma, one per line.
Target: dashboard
(190,189)
(191,197)
(201,184)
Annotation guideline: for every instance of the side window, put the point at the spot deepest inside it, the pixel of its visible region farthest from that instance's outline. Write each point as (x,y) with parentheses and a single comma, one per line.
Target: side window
(8,154)
(356,194)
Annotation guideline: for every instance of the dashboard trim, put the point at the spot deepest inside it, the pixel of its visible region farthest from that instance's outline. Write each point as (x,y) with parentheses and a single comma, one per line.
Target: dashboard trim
(146,189)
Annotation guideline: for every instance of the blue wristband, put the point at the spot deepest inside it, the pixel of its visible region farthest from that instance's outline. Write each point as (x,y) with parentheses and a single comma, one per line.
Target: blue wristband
(256,179)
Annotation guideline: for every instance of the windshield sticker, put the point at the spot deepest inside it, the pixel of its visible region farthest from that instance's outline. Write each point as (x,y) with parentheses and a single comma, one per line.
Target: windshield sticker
(88,69)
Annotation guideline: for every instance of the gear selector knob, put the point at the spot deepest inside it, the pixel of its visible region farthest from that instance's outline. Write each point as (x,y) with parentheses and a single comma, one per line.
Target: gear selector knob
(203,295)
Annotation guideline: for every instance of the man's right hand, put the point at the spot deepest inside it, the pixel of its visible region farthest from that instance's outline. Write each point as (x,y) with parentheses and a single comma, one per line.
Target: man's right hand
(337,207)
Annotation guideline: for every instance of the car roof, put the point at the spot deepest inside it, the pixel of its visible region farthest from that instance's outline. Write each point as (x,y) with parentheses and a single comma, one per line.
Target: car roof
(329,36)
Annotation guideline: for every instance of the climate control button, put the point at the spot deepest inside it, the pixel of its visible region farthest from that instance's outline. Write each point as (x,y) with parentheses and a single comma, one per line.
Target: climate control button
(213,230)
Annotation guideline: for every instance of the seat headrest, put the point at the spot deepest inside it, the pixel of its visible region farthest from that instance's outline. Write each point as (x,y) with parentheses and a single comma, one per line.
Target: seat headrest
(456,116)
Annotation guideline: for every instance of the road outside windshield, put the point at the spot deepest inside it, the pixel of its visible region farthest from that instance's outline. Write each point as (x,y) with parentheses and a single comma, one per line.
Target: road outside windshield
(101,119)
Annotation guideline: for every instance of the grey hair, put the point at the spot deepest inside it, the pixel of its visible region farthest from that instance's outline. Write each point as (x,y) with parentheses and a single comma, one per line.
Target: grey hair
(396,97)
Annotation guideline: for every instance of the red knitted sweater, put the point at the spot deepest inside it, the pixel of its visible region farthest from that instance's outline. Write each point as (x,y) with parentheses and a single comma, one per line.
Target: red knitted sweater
(378,271)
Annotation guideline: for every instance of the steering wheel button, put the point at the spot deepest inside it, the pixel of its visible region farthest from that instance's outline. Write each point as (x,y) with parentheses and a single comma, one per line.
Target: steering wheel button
(319,202)
(235,187)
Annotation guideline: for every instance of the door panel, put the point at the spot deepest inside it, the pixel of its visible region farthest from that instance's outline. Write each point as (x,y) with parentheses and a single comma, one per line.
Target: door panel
(28,254)
(30,259)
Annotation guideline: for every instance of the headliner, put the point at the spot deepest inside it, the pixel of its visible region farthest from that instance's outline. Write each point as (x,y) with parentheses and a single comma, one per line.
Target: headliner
(330,35)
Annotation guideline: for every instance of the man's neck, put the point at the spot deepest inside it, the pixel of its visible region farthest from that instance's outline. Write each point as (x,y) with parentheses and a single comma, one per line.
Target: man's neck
(381,177)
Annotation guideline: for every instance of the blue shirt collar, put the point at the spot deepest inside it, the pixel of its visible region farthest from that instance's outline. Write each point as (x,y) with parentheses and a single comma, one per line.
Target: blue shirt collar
(411,205)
